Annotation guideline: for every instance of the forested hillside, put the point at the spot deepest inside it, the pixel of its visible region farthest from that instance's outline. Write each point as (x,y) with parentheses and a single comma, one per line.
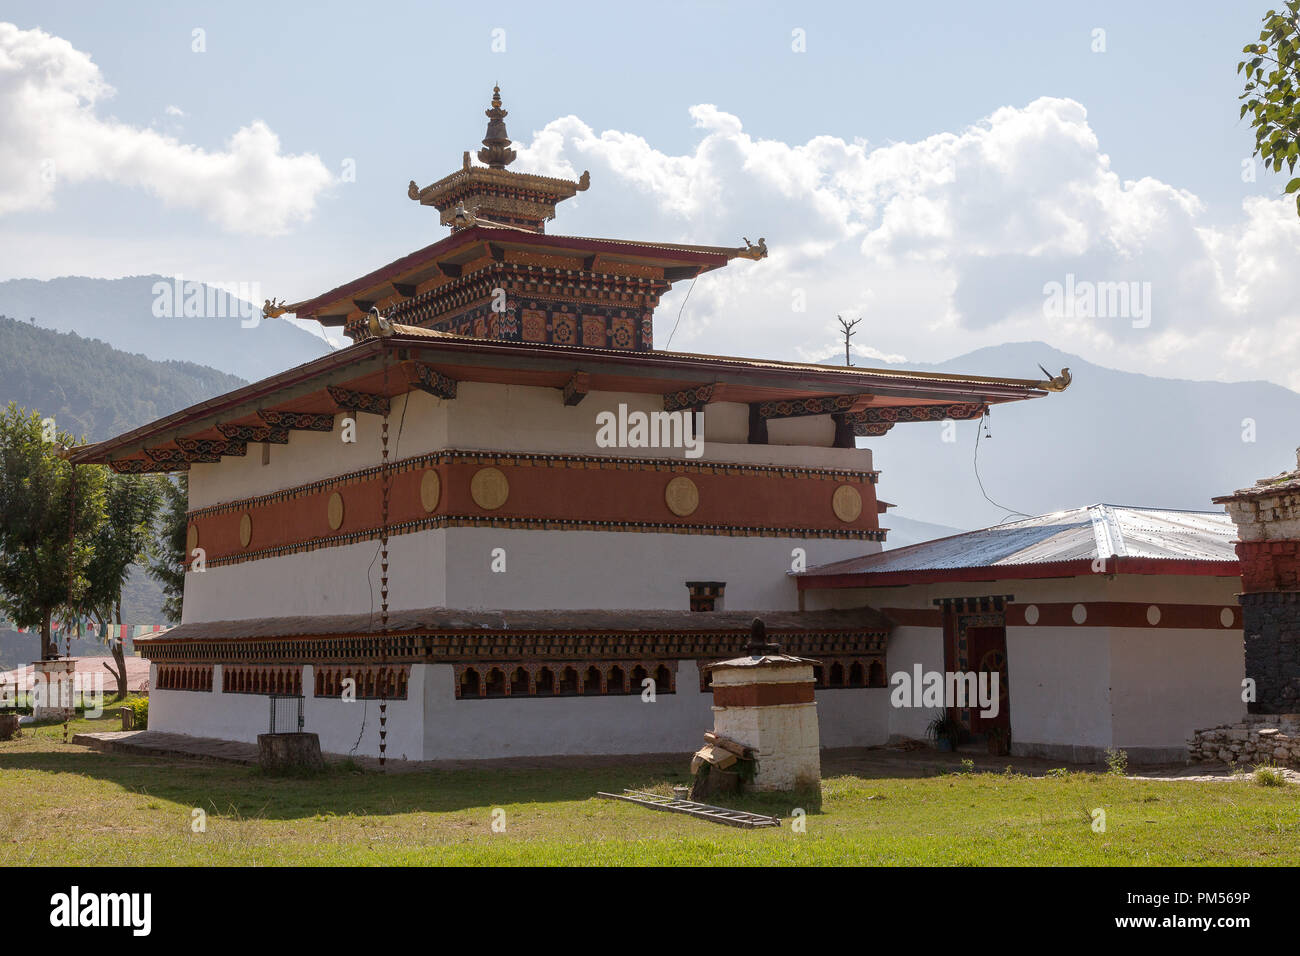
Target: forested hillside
(91,389)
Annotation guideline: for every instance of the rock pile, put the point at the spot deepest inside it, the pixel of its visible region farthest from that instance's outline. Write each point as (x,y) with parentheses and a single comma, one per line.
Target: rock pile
(1258,738)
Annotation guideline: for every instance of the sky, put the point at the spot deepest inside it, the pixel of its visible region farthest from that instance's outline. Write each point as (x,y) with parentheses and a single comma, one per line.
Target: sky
(957,175)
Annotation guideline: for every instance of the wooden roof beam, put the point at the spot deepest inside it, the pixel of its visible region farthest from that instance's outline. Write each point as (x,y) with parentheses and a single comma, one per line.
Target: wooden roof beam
(428,379)
(258,433)
(353,401)
(575,390)
(203,447)
(298,421)
(829,405)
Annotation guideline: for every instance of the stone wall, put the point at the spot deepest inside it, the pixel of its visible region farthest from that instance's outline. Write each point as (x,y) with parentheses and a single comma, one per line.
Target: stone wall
(1272,626)
(1267,517)
(1259,738)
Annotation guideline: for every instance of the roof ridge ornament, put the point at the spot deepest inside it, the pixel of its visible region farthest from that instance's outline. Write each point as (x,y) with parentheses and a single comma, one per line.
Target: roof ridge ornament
(1056,383)
(496,153)
(752,251)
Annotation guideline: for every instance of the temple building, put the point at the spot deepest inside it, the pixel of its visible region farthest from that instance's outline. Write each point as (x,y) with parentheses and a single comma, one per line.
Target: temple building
(505,518)
(1110,627)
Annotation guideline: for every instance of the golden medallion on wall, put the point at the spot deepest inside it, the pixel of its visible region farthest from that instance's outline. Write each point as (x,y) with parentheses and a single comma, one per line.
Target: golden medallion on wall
(682,496)
(245,530)
(334,511)
(489,488)
(431,490)
(191,539)
(847,503)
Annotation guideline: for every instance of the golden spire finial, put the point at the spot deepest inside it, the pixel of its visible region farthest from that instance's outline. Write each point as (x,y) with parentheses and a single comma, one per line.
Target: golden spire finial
(496,152)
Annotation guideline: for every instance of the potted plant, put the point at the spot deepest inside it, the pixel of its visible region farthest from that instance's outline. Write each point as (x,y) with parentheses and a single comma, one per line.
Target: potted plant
(999,739)
(944,731)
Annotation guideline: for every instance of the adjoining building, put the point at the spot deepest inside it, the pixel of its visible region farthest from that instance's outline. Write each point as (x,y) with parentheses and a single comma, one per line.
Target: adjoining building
(1109,627)
(487,518)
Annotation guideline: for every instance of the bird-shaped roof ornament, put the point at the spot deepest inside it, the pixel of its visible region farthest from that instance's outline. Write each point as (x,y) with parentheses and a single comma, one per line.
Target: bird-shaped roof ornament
(1056,383)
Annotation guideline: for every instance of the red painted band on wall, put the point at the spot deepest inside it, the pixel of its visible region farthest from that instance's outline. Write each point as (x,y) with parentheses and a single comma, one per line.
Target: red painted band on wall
(1096,614)
(565,492)
(762,695)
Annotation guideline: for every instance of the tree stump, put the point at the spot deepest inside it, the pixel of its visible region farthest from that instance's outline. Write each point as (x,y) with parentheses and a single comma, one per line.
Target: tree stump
(289,752)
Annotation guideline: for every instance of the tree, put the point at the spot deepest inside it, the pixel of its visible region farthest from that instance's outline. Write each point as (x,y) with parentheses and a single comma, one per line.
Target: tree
(1272,91)
(124,538)
(168,562)
(41,571)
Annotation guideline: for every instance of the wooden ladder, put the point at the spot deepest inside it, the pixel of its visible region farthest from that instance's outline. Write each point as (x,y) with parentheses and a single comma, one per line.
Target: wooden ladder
(731,818)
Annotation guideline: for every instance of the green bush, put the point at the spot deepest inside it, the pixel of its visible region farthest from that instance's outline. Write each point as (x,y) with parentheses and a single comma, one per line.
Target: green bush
(1268,774)
(140,706)
(1117,761)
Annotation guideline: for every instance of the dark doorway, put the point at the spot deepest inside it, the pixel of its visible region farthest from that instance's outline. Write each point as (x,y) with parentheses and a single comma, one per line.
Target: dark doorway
(987,653)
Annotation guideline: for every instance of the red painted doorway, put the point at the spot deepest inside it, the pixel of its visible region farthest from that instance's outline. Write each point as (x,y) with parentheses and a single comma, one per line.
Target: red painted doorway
(986,650)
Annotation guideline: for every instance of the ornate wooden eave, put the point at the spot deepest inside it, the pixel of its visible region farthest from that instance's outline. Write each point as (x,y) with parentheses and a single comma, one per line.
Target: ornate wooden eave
(297,421)
(267,410)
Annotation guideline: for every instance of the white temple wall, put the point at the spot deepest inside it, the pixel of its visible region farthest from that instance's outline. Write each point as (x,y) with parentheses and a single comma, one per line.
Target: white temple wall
(535,727)
(338,723)
(612,569)
(432,725)
(1060,691)
(514,418)
(909,646)
(853,716)
(544,569)
(326,581)
(312,456)
(1077,690)
(1166,684)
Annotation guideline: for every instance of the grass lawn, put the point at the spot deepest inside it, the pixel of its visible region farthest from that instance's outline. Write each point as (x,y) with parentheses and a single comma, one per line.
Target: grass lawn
(67,805)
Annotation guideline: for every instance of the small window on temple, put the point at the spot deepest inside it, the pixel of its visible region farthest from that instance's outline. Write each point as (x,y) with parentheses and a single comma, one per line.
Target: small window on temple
(837,675)
(706,595)
(469,685)
(496,683)
(663,680)
(591,681)
(857,675)
(877,675)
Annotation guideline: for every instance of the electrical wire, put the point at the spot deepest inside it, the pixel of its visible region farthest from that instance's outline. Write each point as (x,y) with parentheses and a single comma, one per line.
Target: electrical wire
(679,313)
(976,463)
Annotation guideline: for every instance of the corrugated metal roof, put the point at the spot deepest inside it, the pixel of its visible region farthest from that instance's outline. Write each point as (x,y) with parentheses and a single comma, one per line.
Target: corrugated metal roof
(1097,531)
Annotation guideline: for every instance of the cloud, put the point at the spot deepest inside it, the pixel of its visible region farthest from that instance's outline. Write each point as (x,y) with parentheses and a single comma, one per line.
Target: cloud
(947,244)
(50,134)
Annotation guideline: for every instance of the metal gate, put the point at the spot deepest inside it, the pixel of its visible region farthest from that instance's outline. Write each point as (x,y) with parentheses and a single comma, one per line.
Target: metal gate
(286,714)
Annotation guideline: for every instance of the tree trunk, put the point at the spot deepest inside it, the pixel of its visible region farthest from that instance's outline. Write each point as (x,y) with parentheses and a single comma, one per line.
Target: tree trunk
(48,650)
(119,654)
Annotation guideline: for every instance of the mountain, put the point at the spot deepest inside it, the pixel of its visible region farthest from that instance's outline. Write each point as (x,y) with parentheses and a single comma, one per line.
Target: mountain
(91,389)
(905,531)
(158,317)
(1112,436)
(95,392)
